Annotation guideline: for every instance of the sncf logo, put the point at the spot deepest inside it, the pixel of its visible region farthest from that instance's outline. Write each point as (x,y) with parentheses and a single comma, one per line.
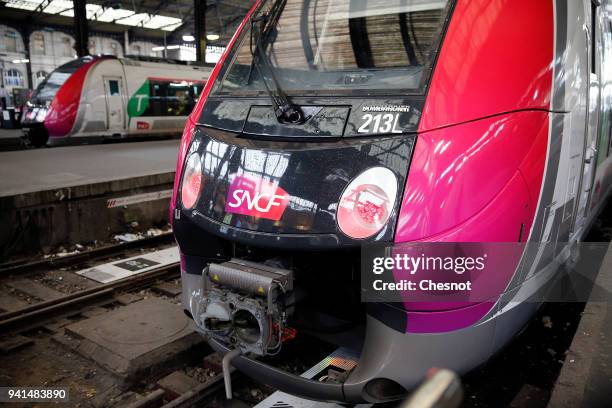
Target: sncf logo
(259,198)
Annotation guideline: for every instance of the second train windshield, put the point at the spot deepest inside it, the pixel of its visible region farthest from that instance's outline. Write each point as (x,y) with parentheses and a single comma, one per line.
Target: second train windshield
(45,92)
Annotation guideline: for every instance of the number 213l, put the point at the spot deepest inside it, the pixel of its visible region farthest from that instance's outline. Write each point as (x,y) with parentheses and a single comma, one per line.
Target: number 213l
(379,123)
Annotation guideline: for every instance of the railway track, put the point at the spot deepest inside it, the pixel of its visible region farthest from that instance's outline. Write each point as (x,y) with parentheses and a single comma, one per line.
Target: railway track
(26,280)
(24,266)
(31,320)
(45,321)
(28,275)
(48,309)
(189,399)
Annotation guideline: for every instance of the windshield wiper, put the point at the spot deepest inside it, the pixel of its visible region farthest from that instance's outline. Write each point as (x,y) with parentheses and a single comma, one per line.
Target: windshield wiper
(284,109)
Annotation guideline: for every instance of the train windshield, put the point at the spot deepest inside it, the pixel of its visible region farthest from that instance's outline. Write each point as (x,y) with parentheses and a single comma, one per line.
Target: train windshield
(337,47)
(46,90)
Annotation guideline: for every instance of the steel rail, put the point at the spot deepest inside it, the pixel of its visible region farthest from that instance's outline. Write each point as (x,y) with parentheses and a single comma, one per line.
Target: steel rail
(47,309)
(19,267)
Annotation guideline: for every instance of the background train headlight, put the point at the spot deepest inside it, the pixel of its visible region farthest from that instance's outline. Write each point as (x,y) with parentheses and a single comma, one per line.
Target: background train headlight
(192,181)
(367,202)
(41,114)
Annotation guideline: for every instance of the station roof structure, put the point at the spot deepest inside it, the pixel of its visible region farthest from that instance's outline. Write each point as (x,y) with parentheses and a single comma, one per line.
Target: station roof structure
(152,19)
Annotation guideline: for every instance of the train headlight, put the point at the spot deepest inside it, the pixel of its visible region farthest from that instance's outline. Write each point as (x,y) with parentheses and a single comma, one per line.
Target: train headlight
(367,202)
(192,181)
(41,114)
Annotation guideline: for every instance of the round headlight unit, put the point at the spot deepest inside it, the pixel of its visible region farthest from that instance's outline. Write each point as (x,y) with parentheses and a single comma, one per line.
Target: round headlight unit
(367,202)
(192,181)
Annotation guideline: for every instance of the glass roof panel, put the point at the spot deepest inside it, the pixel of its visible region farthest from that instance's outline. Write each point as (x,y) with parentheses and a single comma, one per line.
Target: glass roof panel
(99,13)
(57,6)
(111,14)
(133,20)
(24,4)
(157,21)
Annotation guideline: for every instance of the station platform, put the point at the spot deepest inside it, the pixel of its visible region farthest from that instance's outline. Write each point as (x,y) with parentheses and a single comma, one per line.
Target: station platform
(67,195)
(585,380)
(10,139)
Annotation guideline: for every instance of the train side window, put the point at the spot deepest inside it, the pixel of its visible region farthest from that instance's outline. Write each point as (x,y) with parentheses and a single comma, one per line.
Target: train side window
(157,99)
(168,98)
(178,99)
(196,90)
(113,87)
(594,5)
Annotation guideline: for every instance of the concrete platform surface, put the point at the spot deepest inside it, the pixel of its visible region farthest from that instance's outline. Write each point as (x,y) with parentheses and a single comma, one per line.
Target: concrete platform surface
(10,139)
(585,380)
(10,134)
(34,170)
(139,337)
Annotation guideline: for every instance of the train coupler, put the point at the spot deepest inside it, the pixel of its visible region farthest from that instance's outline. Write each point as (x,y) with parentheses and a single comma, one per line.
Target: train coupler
(246,305)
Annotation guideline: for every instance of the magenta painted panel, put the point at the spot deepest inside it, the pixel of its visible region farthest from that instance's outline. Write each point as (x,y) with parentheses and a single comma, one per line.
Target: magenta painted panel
(457,171)
(433,322)
(499,222)
(476,182)
(496,57)
(476,171)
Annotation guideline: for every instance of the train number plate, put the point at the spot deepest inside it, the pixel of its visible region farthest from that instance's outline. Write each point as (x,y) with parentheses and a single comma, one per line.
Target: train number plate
(379,123)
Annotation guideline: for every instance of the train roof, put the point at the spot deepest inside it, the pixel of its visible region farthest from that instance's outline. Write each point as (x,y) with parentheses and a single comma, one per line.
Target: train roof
(135,60)
(166,61)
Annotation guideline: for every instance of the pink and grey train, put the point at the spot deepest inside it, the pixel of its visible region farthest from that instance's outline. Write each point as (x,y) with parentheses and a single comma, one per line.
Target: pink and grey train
(110,97)
(329,126)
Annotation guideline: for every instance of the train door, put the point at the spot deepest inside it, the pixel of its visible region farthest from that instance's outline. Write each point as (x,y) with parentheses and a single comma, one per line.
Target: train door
(592,124)
(115,110)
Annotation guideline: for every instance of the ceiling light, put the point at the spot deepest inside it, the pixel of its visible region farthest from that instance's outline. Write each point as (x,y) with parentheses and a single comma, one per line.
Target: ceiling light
(188,38)
(212,37)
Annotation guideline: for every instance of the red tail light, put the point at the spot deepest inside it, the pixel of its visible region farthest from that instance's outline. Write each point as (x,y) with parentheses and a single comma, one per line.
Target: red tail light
(192,181)
(367,202)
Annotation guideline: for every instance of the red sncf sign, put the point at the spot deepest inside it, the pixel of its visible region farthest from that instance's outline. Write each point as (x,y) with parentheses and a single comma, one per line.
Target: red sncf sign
(252,196)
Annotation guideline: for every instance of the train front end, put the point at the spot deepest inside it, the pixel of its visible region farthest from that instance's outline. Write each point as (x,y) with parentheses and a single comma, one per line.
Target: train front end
(318,135)
(53,109)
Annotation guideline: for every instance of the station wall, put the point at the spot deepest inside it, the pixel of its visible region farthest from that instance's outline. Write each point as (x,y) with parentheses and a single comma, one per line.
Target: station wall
(49,49)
